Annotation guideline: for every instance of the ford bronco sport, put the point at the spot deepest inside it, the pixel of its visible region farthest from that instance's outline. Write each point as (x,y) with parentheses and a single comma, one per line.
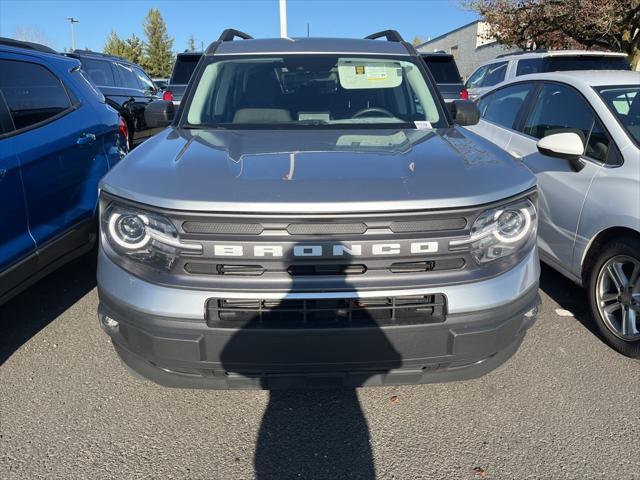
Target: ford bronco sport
(313,216)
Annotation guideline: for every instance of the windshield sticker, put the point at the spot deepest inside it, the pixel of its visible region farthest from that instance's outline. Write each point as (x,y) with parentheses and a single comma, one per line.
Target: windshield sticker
(423,125)
(370,74)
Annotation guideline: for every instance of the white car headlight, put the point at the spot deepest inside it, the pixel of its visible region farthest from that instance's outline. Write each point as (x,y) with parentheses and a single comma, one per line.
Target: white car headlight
(144,237)
(501,231)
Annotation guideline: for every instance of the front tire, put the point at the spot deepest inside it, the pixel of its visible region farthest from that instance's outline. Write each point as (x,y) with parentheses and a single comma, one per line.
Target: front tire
(614,295)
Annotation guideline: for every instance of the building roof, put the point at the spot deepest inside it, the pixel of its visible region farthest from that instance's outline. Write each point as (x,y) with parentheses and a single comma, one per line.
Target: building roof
(311,45)
(439,37)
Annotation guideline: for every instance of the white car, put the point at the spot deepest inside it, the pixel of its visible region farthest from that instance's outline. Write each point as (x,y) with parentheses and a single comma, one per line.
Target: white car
(579,133)
(510,65)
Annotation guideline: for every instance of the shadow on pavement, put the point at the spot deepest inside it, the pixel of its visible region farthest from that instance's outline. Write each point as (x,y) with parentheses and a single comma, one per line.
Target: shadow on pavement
(26,314)
(569,296)
(313,433)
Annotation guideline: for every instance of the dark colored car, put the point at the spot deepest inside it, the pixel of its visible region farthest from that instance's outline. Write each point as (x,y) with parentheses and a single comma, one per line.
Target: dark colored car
(126,87)
(57,139)
(182,70)
(445,72)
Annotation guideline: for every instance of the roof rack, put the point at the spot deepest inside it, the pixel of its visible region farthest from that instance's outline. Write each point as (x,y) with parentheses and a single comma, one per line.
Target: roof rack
(79,51)
(10,42)
(522,52)
(390,35)
(229,34)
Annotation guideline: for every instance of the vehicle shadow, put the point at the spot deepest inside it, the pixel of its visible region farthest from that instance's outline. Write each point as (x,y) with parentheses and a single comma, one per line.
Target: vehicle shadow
(318,433)
(25,315)
(569,296)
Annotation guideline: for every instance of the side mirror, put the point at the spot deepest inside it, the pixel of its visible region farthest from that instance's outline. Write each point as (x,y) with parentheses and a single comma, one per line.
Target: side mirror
(159,113)
(464,112)
(567,145)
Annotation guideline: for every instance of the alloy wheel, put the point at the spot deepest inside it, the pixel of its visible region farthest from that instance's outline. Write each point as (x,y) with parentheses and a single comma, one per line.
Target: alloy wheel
(618,296)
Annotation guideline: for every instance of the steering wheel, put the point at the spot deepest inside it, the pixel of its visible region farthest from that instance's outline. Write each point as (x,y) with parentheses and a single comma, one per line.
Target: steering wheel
(366,111)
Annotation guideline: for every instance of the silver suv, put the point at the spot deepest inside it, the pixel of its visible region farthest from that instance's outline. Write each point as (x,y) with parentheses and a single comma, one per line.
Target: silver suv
(511,65)
(313,216)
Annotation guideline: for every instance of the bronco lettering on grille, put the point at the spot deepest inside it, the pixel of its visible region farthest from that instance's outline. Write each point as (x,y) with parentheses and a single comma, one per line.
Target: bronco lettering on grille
(331,250)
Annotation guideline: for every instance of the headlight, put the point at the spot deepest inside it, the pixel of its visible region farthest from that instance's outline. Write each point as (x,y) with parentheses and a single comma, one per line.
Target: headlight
(144,237)
(501,231)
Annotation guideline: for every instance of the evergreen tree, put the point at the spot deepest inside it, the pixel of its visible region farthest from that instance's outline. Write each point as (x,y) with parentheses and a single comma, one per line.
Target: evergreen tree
(192,43)
(134,49)
(158,58)
(115,45)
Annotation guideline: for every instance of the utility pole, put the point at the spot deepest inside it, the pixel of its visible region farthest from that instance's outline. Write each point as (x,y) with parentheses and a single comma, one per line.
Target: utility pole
(283,18)
(73,32)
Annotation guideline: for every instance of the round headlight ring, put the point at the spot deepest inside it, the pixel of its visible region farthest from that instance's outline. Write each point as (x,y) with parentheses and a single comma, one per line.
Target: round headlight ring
(522,215)
(123,225)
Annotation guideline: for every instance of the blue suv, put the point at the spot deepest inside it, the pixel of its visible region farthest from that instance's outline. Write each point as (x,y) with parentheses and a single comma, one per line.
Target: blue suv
(57,139)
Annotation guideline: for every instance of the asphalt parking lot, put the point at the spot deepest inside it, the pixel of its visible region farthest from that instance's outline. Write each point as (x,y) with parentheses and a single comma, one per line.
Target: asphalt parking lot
(566,406)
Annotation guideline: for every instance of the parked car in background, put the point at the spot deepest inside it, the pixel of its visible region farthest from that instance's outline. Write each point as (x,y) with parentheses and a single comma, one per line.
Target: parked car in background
(445,72)
(182,70)
(579,132)
(57,139)
(161,83)
(314,216)
(511,65)
(126,87)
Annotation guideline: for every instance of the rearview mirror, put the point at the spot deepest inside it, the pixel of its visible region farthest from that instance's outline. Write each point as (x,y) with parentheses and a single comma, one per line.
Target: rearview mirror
(567,145)
(464,112)
(159,113)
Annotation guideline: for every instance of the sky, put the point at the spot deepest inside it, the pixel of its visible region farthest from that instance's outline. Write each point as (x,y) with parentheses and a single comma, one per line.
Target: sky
(205,19)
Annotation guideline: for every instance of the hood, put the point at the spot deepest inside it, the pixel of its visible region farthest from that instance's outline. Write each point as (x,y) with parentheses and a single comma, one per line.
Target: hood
(312,171)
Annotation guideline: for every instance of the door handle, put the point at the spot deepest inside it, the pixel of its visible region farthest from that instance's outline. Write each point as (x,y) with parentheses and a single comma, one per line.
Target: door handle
(86,138)
(3,173)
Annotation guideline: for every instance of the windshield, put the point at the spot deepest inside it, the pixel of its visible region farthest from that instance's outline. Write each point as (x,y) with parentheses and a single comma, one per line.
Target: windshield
(183,68)
(624,101)
(312,90)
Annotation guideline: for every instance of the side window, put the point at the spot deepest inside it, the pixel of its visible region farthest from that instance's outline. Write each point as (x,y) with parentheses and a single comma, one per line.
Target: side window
(476,78)
(146,82)
(560,109)
(99,71)
(502,106)
(33,94)
(495,74)
(527,66)
(128,77)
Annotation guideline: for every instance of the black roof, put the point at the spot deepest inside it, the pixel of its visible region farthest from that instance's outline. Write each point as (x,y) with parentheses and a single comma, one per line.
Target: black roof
(89,53)
(10,42)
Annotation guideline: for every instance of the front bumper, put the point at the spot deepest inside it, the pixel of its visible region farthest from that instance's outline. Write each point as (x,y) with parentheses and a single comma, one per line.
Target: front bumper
(161,333)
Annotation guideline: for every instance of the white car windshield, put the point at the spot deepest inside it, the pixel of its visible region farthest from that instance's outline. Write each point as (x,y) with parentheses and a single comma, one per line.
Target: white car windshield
(312,90)
(624,101)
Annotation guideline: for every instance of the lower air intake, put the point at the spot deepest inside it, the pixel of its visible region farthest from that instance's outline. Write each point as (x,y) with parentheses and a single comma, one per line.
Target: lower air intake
(326,313)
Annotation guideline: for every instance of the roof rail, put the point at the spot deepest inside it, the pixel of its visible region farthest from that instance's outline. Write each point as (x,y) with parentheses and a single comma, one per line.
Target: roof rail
(522,52)
(229,34)
(10,42)
(226,36)
(390,35)
(79,51)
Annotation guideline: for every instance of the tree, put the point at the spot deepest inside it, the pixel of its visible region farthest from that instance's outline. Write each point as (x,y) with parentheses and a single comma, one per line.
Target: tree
(417,40)
(134,49)
(192,43)
(158,58)
(28,33)
(590,24)
(115,45)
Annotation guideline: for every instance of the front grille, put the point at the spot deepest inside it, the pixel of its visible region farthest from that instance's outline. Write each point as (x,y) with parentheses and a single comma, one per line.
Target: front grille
(326,228)
(326,313)
(218,228)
